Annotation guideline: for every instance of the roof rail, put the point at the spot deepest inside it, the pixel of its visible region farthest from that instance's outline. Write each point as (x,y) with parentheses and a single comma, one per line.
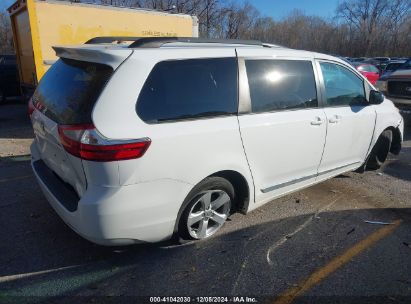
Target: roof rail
(111,39)
(155,42)
(271,45)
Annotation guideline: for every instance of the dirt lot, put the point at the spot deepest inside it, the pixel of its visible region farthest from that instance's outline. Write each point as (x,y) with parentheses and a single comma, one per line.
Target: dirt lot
(310,247)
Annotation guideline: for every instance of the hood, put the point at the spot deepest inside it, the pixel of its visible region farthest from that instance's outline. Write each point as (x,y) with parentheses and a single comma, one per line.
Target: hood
(397,74)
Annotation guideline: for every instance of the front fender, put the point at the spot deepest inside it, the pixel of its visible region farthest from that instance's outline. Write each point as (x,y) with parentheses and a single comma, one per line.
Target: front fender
(388,117)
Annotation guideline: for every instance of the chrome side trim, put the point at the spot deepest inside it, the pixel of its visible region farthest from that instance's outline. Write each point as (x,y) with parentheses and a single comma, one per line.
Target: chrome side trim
(289,183)
(338,168)
(301,179)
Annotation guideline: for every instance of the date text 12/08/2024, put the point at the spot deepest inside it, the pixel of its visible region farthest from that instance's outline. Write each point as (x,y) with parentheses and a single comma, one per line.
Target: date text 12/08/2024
(239,299)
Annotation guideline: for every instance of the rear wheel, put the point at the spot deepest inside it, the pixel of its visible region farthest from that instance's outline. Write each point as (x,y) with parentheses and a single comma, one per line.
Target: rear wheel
(208,207)
(380,151)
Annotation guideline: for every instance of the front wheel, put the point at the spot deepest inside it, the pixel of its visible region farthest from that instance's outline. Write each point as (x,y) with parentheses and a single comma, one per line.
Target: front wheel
(380,151)
(207,208)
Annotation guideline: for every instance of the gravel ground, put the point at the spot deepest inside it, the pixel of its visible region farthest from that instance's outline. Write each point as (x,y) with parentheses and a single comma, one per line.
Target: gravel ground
(313,245)
(15,132)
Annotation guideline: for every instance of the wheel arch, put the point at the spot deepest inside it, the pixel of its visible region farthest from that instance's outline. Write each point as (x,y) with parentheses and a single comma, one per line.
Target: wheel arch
(396,140)
(395,144)
(241,187)
(388,118)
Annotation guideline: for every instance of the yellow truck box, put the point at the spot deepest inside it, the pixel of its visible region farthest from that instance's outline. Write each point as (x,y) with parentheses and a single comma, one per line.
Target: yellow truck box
(40,24)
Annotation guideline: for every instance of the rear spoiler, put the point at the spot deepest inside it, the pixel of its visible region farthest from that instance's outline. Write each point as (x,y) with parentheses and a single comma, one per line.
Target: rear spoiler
(111,57)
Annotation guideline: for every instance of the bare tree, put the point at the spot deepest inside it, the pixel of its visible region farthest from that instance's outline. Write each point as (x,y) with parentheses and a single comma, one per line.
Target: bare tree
(6,37)
(375,23)
(360,27)
(229,20)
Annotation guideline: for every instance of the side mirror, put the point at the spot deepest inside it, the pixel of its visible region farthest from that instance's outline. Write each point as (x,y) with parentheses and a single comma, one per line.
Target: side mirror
(376,97)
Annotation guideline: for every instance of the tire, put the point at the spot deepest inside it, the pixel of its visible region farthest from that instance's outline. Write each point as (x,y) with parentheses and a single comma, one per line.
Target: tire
(207,207)
(380,151)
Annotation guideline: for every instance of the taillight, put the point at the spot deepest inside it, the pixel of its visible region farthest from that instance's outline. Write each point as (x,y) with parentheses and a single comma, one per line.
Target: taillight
(85,142)
(31,107)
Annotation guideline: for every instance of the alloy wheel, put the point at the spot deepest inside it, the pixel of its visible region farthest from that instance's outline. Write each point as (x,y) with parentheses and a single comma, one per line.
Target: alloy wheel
(208,213)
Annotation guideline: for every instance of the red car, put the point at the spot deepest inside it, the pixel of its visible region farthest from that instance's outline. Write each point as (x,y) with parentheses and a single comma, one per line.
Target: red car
(371,72)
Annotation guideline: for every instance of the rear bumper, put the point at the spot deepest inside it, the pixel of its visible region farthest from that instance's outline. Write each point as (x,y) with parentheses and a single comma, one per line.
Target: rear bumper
(63,192)
(111,216)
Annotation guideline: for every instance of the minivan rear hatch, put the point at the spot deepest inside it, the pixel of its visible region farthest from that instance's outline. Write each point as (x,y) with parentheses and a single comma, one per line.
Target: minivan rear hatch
(65,96)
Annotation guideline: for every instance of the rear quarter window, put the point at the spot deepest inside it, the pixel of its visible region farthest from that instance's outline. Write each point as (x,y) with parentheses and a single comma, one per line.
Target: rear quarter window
(70,88)
(187,89)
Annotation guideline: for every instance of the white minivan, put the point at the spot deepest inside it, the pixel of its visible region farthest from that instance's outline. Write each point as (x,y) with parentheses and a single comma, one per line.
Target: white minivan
(149,138)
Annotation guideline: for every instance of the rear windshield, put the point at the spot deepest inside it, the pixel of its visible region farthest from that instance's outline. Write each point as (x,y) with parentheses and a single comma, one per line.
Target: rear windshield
(69,90)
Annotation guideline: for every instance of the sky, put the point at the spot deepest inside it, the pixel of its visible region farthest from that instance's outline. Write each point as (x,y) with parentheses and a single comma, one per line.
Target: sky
(273,8)
(281,8)
(4,4)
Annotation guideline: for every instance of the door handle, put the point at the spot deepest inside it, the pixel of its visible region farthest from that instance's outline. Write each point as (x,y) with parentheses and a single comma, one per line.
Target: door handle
(334,119)
(317,122)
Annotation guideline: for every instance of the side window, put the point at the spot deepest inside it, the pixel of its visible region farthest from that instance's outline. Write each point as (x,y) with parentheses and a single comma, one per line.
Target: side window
(342,87)
(406,65)
(281,85)
(183,89)
(368,68)
(373,69)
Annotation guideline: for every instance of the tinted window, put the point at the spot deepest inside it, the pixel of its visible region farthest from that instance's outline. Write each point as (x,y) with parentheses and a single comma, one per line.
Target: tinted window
(406,65)
(393,66)
(373,69)
(189,88)
(69,90)
(342,87)
(281,84)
